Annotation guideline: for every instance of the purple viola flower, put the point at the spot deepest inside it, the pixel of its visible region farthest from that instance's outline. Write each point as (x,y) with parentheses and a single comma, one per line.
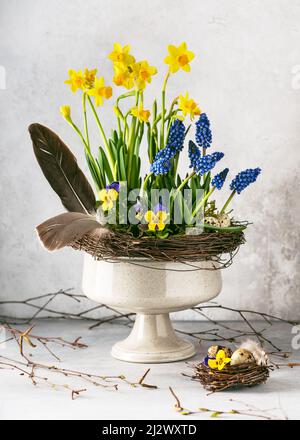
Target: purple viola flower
(206,359)
(138,206)
(159,207)
(114,185)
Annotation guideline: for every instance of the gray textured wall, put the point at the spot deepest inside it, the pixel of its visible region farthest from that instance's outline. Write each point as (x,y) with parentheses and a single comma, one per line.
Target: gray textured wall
(245,77)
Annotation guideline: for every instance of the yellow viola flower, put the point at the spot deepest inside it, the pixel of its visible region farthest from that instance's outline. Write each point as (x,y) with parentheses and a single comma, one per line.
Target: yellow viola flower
(140,113)
(156,221)
(142,73)
(76,80)
(220,361)
(179,58)
(123,76)
(89,77)
(108,197)
(100,91)
(121,54)
(188,106)
(65,110)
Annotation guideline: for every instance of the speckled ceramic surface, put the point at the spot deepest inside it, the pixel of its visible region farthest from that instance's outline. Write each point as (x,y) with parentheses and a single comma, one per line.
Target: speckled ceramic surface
(152,292)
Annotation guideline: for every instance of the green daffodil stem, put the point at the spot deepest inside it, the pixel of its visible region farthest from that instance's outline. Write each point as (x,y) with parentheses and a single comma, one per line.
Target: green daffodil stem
(202,202)
(228,201)
(89,157)
(183,183)
(163,105)
(76,129)
(110,155)
(132,135)
(85,121)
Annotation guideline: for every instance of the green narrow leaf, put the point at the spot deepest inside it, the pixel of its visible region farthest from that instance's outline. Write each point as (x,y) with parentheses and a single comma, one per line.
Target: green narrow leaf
(94,170)
(114,149)
(122,164)
(115,137)
(106,167)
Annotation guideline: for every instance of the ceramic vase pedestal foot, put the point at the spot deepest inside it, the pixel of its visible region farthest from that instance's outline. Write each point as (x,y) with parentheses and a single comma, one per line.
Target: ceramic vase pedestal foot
(152,290)
(153,340)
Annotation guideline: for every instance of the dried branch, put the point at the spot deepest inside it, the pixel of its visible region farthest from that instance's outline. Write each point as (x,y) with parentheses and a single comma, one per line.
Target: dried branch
(44,304)
(250,412)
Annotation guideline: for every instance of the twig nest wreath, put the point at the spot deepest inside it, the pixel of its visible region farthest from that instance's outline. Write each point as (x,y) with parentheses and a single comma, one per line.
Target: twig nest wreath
(161,216)
(222,369)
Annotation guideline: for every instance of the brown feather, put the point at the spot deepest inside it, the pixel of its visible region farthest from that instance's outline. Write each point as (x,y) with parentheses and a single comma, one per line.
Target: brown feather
(60,168)
(65,229)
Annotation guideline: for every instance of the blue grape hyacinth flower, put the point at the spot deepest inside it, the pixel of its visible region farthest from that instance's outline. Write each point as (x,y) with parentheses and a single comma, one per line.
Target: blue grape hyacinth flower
(194,154)
(162,162)
(176,136)
(161,166)
(203,131)
(217,156)
(207,163)
(244,179)
(219,179)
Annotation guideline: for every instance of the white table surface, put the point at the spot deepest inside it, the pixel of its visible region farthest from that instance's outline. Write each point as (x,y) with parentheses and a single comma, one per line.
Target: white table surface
(20,399)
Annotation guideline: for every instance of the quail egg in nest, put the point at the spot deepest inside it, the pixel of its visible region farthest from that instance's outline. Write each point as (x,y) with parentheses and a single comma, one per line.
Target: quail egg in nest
(242,356)
(224,221)
(213,221)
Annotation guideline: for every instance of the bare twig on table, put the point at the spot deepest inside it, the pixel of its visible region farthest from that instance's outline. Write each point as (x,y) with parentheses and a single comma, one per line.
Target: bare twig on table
(251,411)
(41,306)
(140,382)
(236,334)
(76,393)
(27,337)
(44,304)
(30,369)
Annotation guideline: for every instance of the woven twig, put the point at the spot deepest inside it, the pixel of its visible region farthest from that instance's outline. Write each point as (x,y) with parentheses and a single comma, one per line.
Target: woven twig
(187,248)
(243,375)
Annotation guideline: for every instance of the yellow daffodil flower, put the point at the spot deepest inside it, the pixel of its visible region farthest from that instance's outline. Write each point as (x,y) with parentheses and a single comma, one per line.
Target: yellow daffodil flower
(220,361)
(89,78)
(188,106)
(179,58)
(156,221)
(121,54)
(108,197)
(142,73)
(65,110)
(76,80)
(100,91)
(140,113)
(123,76)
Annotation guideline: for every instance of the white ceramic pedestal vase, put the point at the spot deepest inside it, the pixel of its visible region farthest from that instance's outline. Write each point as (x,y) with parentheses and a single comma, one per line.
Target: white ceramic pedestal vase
(151,292)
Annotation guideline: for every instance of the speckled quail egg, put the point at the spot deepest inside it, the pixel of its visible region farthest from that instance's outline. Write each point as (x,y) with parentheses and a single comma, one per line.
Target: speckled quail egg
(242,356)
(213,350)
(224,221)
(213,221)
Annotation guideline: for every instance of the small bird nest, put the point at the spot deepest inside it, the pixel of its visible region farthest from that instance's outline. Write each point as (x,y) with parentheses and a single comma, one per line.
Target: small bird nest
(231,376)
(182,248)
